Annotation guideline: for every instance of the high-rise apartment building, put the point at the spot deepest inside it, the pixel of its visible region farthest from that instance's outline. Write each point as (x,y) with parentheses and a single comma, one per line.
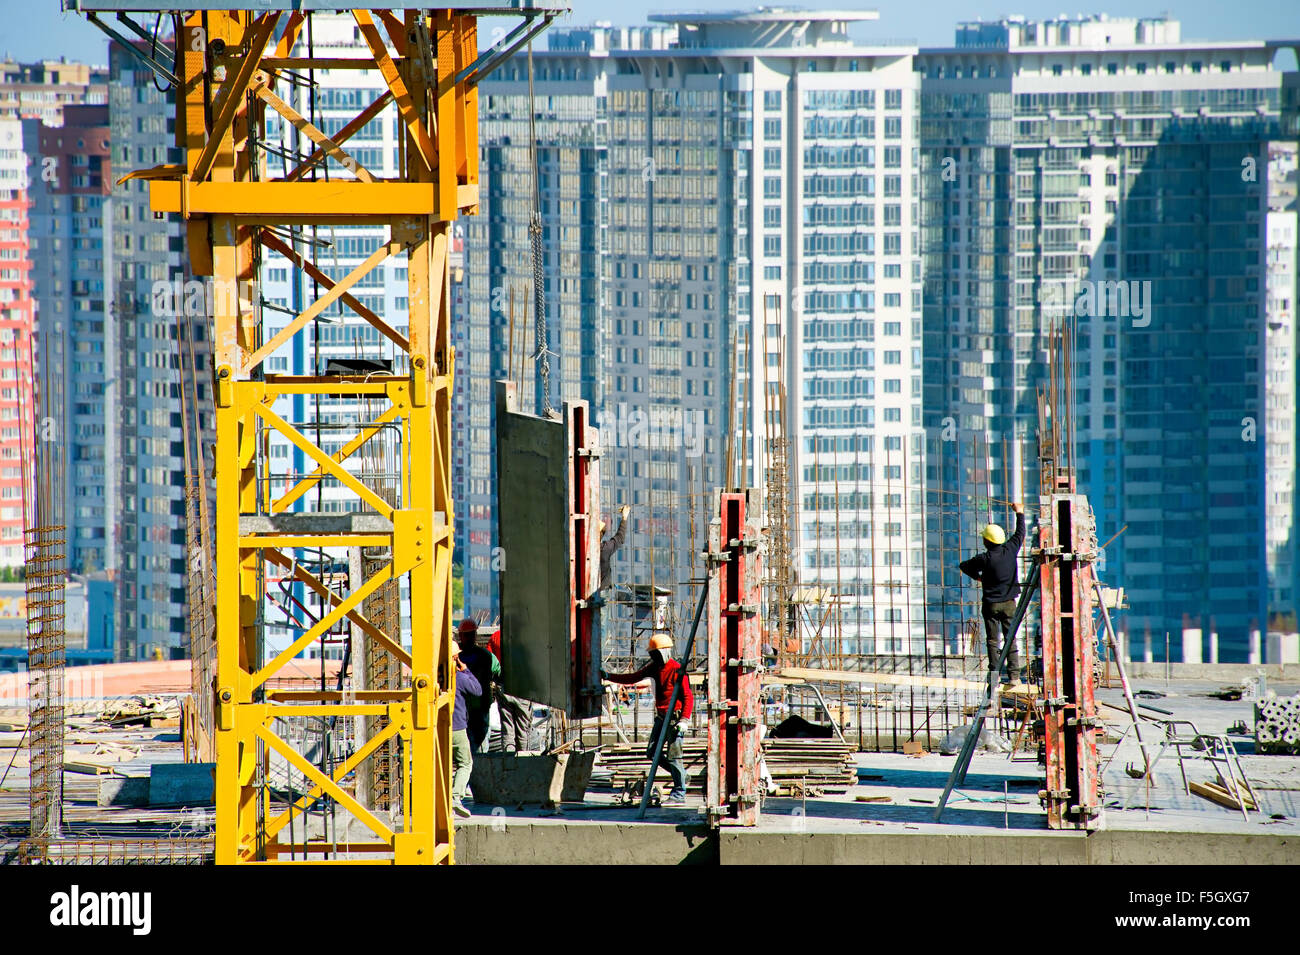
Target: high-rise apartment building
(70,181)
(17,309)
(143,342)
(496,331)
(1107,171)
(1282,241)
(41,90)
(748,180)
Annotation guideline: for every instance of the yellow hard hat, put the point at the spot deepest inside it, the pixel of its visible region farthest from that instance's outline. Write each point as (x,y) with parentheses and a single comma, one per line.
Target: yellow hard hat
(994,534)
(661,641)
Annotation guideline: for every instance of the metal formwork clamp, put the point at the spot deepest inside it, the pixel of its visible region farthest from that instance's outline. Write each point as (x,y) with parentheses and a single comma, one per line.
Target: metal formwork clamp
(716,556)
(747,543)
(747,720)
(588,453)
(742,608)
(712,707)
(1053,794)
(745,663)
(1056,702)
(1084,721)
(1083,811)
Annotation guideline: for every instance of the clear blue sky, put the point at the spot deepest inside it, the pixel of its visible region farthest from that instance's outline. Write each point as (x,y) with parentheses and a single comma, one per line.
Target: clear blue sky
(38,29)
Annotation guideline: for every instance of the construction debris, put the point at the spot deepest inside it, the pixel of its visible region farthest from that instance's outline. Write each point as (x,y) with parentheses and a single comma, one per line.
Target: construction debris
(1277,725)
(141,710)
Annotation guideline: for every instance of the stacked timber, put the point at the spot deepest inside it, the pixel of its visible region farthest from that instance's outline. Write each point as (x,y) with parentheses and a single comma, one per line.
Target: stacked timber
(810,766)
(797,766)
(1277,725)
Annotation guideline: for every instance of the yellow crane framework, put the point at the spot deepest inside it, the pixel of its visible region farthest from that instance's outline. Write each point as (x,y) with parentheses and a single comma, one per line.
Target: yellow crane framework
(225,67)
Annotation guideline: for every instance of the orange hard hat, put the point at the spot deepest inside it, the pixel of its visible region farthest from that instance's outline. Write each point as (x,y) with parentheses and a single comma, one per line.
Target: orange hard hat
(661,641)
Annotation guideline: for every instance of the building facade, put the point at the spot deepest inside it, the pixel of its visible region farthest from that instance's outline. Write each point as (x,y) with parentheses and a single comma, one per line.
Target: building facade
(70,182)
(143,341)
(1109,175)
(17,320)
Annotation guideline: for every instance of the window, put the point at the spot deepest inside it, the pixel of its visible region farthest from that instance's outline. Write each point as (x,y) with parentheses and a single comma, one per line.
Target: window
(772,157)
(771,99)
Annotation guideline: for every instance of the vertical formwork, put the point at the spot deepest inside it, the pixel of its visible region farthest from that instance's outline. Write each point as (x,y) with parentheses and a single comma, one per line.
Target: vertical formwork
(735,656)
(1068,542)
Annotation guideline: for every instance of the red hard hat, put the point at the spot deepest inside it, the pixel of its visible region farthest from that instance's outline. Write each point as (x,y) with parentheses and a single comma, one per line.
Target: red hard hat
(468,625)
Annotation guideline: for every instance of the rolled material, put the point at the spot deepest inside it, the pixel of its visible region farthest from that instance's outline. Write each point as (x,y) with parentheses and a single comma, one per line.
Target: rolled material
(1277,725)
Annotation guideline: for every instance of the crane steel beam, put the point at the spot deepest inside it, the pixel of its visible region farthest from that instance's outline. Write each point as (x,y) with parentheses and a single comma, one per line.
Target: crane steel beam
(226,66)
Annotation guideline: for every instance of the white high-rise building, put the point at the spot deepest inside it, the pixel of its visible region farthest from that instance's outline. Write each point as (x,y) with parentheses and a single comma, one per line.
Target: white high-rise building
(1280,379)
(750,180)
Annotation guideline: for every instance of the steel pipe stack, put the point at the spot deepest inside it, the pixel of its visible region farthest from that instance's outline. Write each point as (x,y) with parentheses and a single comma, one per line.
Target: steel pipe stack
(1277,725)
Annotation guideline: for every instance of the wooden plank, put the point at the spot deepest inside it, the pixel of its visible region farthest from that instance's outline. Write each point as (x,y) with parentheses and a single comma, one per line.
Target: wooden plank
(811,674)
(1220,795)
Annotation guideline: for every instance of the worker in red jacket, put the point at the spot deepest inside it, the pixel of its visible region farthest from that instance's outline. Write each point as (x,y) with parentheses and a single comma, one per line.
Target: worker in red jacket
(666,673)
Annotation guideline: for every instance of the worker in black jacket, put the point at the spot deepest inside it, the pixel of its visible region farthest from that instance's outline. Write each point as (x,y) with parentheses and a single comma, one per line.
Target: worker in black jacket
(997,572)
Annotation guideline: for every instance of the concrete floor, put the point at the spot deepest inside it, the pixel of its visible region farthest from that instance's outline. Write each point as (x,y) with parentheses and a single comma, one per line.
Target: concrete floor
(993,817)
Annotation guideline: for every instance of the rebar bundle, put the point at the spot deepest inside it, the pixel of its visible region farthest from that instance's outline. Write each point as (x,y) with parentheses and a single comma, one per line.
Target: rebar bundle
(45,664)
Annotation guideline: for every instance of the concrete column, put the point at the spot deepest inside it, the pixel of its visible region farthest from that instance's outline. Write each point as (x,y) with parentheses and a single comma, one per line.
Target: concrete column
(1283,648)
(1273,647)
(1191,644)
(1254,656)
(1214,646)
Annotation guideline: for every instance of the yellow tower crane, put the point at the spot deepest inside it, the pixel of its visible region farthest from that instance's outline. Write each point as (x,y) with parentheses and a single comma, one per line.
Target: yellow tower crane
(225,66)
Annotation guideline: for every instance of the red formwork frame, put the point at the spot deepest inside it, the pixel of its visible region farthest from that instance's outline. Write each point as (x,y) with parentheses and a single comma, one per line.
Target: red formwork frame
(583,504)
(1068,546)
(735,657)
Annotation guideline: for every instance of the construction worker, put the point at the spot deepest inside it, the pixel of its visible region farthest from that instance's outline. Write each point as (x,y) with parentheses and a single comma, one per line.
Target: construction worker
(665,672)
(609,547)
(999,576)
(516,713)
(486,671)
(462,754)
